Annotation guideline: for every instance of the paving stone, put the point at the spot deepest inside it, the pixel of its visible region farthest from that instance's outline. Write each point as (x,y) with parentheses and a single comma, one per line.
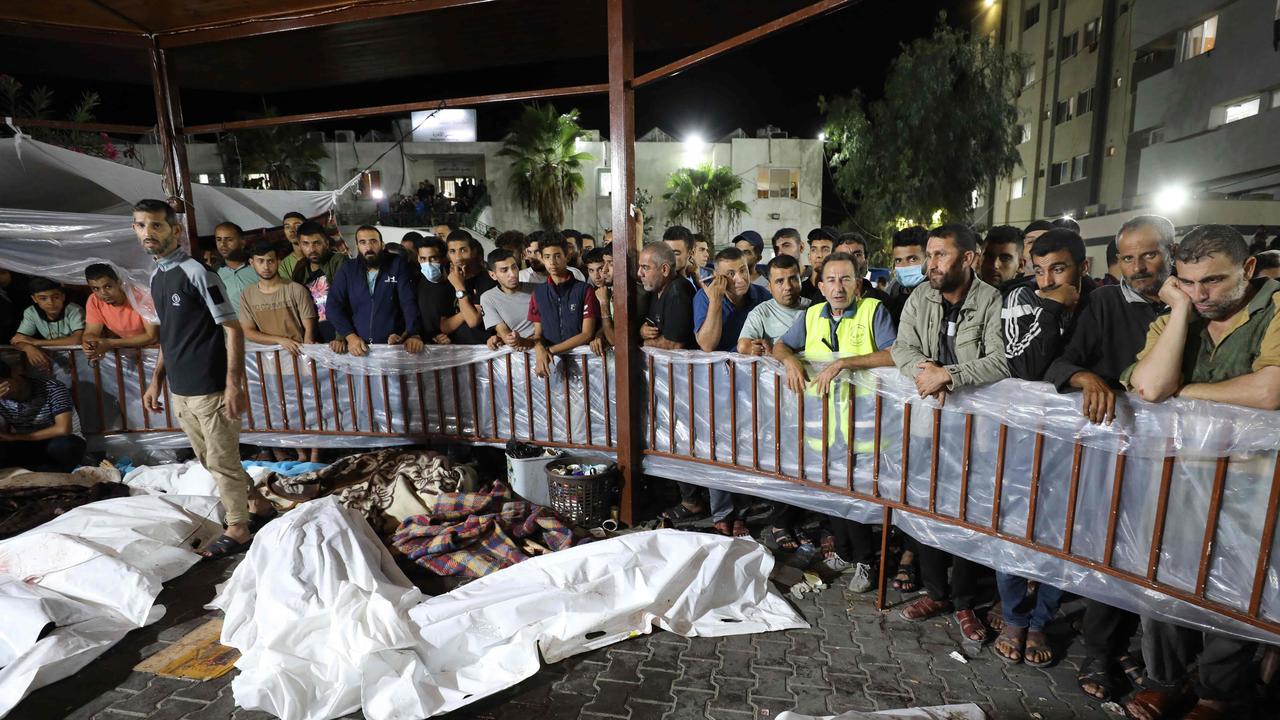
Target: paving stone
(206,691)
(136,681)
(610,699)
(735,663)
(221,708)
(696,674)
(581,680)
(665,656)
(655,687)
(146,701)
(810,702)
(772,654)
(841,701)
(700,647)
(808,646)
(772,683)
(243,714)
(564,706)
(724,714)
(732,694)
(623,667)
(94,706)
(809,675)
(690,705)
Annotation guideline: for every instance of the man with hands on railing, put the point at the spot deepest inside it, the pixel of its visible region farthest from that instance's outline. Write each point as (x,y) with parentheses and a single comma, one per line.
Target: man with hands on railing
(599,264)
(372,300)
(505,306)
(1109,332)
(950,337)
(771,319)
(108,312)
(48,322)
(276,310)
(563,310)
(1220,341)
(202,352)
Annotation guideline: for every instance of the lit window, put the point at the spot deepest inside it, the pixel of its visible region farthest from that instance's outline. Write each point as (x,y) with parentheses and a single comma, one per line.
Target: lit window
(774,182)
(202,178)
(1065,110)
(1024,133)
(1243,109)
(1018,188)
(1079,165)
(1275,99)
(1198,39)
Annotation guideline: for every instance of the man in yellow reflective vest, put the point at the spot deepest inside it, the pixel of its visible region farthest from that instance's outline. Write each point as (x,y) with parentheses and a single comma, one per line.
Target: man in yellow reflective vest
(852,333)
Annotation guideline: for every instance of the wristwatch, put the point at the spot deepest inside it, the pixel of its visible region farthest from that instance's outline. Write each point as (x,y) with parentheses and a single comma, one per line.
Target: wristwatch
(459,294)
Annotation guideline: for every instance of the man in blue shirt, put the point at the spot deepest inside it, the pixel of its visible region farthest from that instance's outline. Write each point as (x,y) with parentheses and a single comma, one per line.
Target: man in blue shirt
(372,299)
(732,292)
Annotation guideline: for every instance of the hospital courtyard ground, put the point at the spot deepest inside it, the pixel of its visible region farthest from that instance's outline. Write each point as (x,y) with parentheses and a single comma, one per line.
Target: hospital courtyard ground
(852,658)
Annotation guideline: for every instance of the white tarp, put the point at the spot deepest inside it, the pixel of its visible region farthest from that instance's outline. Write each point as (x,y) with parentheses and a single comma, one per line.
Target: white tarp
(968,711)
(39,176)
(94,572)
(327,624)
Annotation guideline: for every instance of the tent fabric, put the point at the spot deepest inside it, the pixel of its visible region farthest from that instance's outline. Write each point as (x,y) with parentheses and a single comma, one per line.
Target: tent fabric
(39,176)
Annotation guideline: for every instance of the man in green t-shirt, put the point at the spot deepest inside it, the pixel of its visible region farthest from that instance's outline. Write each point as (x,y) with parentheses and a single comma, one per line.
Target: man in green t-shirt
(50,321)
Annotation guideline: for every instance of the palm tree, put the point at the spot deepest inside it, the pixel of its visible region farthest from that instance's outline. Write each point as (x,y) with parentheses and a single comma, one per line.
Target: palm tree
(545,161)
(288,155)
(703,195)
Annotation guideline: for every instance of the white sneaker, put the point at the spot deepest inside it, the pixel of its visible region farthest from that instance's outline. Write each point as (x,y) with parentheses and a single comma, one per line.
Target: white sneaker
(836,564)
(861,580)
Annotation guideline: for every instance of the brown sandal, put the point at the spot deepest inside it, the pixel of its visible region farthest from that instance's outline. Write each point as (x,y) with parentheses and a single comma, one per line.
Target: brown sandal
(1037,642)
(1010,645)
(723,528)
(971,627)
(995,617)
(1153,705)
(1205,712)
(740,529)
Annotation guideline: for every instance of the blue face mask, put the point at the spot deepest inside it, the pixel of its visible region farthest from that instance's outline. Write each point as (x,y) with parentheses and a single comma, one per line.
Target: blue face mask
(910,275)
(432,271)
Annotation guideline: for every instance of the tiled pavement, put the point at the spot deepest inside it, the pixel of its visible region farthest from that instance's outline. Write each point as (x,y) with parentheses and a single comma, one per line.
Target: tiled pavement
(852,657)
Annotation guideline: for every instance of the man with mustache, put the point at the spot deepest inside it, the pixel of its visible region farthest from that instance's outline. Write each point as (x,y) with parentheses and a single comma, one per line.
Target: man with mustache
(1221,342)
(1109,332)
(316,273)
(372,300)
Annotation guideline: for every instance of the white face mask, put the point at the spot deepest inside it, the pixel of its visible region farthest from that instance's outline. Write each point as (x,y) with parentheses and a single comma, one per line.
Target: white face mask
(432,271)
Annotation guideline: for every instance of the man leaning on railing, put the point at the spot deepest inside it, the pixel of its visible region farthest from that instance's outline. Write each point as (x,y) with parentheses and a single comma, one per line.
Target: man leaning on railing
(950,337)
(1220,341)
(372,300)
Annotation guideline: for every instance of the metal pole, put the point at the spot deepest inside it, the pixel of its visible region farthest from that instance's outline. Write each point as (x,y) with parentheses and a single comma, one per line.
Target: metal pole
(630,394)
(169,129)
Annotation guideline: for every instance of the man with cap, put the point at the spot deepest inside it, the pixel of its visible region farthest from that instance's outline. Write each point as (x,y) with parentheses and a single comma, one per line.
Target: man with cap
(750,242)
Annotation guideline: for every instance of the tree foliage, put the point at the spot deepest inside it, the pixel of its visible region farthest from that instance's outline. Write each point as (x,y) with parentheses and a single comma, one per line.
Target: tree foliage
(38,104)
(288,155)
(700,196)
(946,125)
(545,162)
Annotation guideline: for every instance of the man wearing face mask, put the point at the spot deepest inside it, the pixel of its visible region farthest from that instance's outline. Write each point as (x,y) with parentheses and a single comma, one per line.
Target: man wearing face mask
(316,273)
(908,267)
(434,295)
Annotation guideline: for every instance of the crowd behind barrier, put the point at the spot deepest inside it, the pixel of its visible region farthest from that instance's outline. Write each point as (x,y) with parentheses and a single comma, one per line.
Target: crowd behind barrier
(1171,510)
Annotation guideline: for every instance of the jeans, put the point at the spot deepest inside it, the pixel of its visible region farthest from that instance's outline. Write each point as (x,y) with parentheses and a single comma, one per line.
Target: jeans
(1013,596)
(60,454)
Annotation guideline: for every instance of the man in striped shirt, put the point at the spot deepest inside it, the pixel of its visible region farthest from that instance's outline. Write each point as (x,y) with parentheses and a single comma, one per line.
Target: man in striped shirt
(41,429)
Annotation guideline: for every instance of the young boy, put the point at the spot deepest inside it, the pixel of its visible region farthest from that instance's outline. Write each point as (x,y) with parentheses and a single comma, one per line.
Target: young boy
(563,310)
(277,311)
(108,313)
(50,321)
(505,307)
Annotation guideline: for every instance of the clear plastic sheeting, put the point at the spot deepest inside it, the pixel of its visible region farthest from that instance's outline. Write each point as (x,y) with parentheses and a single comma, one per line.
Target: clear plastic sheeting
(968,711)
(326,624)
(95,573)
(1021,441)
(389,397)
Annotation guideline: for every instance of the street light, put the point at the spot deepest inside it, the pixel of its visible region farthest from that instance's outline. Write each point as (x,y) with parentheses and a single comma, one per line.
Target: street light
(694,146)
(1172,198)
(822,137)
(988,3)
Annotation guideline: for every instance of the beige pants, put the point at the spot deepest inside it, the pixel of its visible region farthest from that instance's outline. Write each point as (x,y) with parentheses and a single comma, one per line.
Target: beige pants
(216,441)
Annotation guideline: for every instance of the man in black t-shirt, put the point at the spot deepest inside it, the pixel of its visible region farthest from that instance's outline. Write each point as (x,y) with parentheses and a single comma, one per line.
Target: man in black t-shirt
(202,353)
(668,324)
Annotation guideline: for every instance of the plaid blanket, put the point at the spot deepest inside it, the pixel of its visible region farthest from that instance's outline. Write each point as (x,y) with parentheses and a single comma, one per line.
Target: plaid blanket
(474,534)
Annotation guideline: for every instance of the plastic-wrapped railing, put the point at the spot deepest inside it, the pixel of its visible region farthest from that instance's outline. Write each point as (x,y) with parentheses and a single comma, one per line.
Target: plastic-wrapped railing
(1170,511)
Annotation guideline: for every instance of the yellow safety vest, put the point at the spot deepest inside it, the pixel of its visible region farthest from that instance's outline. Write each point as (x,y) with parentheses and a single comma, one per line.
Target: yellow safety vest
(853,336)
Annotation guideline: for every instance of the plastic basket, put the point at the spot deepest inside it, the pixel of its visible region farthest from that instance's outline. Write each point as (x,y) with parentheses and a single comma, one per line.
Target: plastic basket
(583,500)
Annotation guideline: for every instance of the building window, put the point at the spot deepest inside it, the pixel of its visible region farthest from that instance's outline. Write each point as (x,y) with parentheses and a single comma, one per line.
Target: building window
(1091,33)
(1031,17)
(1064,110)
(1242,109)
(774,182)
(1070,45)
(1029,78)
(1198,39)
(1084,101)
(371,184)
(1275,99)
(1079,164)
(1018,188)
(202,178)
(1059,173)
(1024,133)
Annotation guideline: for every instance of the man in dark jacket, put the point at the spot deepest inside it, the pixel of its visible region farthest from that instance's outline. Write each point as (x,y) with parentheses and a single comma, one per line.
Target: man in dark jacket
(372,300)
(1109,333)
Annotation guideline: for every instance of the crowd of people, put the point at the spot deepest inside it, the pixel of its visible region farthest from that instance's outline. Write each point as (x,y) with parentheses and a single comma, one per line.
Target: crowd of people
(1199,318)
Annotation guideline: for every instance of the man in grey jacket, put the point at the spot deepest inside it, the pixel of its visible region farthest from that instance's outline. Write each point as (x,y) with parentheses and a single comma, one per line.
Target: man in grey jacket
(950,337)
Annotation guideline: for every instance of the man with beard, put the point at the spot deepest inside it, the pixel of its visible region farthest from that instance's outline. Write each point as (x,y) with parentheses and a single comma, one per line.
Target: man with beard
(771,319)
(533,271)
(950,337)
(1220,341)
(294,255)
(1001,255)
(1109,332)
(202,354)
(316,274)
(668,324)
(235,273)
(372,301)
(1037,324)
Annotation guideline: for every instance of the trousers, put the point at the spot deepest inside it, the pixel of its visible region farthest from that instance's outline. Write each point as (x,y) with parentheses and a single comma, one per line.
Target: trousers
(1013,595)
(1223,661)
(216,441)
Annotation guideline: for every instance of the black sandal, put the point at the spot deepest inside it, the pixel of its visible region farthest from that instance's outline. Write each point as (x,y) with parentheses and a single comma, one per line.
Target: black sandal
(679,513)
(258,520)
(781,539)
(1094,671)
(224,546)
(906,579)
(1133,670)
